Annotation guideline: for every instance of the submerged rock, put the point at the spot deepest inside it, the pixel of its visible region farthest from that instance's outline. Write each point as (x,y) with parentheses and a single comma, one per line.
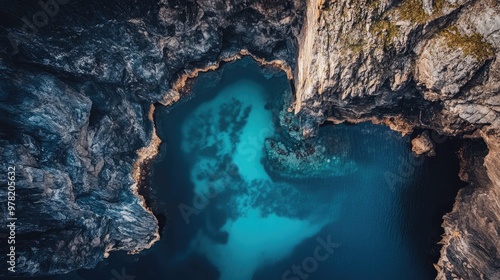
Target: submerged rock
(310,160)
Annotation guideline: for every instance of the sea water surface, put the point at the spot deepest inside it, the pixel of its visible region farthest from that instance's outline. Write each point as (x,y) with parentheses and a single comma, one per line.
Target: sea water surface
(229,216)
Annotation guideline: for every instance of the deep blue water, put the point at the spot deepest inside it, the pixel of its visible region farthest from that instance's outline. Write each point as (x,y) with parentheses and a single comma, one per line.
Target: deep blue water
(366,208)
(374,204)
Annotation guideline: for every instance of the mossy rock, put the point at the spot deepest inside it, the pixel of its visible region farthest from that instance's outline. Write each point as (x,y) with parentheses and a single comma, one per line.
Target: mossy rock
(413,10)
(473,45)
(385,31)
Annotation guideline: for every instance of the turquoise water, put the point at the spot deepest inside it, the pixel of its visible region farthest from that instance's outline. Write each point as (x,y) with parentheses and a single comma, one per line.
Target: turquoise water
(239,198)
(232,210)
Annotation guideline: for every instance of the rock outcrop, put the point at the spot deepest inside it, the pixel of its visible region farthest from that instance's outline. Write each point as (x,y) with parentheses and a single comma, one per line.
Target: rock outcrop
(470,242)
(423,145)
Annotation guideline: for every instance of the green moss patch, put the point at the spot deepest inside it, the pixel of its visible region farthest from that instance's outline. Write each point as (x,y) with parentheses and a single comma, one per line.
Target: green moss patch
(473,45)
(413,10)
(385,30)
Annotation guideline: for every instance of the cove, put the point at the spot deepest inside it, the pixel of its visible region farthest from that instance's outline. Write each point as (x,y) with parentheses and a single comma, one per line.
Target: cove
(242,205)
(243,197)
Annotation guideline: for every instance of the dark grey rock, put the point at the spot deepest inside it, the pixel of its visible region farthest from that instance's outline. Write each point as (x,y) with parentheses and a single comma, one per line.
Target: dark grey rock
(74,98)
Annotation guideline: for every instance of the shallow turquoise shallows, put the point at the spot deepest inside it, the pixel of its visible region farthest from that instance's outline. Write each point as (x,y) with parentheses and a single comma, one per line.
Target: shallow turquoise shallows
(242,199)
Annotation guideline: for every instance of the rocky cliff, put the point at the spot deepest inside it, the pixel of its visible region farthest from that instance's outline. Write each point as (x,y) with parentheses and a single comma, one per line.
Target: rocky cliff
(77,79)
(416,64)
(77,85)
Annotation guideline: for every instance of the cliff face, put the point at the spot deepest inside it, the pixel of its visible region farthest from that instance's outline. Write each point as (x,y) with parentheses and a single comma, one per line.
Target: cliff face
(75,99)
(416,64)
(470,242)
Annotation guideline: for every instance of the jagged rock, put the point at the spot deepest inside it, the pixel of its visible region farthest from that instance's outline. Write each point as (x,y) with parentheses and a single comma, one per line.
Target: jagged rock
(444,68)
(470,242)
(75,96)
(423,145)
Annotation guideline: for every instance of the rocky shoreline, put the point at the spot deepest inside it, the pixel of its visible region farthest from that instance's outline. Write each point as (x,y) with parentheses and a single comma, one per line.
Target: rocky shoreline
(76,95)
(77,100)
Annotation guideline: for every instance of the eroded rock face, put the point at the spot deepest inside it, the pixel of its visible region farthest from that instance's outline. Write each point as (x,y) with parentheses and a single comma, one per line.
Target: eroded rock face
(75,101)
(470,243)
(410,66)
(442,70)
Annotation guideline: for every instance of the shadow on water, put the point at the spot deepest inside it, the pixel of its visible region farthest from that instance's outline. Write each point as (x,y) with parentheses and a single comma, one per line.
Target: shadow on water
(432,195)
